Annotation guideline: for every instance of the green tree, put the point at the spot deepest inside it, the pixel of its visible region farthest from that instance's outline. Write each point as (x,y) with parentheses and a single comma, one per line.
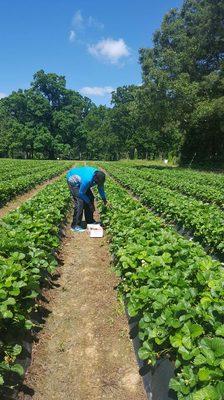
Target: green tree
(182,75)
(43,121)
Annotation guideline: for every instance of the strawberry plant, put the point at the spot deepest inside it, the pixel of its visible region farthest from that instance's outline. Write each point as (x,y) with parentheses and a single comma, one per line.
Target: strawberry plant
(29,237)
(18,176)
(176,290)
(204,221)
(205,191)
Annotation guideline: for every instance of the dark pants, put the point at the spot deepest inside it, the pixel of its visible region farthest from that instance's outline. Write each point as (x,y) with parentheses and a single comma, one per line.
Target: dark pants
(80,206)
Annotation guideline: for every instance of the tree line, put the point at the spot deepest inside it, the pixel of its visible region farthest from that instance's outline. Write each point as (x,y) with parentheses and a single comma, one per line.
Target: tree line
(178,111)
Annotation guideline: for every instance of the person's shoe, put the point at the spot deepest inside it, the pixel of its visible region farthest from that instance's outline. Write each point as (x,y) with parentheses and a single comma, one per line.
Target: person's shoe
(77,229)
(93,222)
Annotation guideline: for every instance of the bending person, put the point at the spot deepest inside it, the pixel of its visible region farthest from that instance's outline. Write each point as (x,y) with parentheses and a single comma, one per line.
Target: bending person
(80,181)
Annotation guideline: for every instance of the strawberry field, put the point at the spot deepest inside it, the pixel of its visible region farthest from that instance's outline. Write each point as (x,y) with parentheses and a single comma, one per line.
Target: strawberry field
(28,238)
(203,219)
(173,285)
(18,176)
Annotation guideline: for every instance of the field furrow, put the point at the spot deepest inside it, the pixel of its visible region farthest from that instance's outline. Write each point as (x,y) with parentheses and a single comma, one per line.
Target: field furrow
(204,221)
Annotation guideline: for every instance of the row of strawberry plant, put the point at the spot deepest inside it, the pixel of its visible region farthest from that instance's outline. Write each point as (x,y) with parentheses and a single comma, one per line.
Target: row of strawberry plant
(205,221)
(18,185)
(28,238)
(177,291)
(17,171)
(14,172)
(10,168)
(8,165)
(204,192)
(215,180)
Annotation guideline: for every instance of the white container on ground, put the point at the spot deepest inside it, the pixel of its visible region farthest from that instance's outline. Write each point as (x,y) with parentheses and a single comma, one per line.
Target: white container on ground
(95,230)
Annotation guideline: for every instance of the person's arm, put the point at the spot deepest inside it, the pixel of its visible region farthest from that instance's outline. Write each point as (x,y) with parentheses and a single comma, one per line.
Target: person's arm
(102,194)
(82,191)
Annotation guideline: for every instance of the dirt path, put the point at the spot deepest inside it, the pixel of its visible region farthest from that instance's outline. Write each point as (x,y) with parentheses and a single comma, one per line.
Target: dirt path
(84,352)
(20,199)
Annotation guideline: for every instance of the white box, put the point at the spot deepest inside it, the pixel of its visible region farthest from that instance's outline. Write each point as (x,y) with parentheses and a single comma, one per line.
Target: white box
(92,226)
(95,230)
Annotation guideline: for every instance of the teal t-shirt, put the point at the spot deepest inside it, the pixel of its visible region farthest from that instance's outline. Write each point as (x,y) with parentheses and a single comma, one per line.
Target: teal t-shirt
(83,178)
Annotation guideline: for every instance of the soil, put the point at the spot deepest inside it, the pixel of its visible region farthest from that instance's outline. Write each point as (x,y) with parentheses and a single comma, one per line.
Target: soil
(83,351)
(19,200)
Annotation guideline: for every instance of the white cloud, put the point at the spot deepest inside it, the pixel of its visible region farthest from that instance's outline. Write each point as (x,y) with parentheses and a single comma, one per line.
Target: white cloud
(77,20)
(109,50)
(72,36)
(94,23)
(96,90)
(82,25)
(2,95)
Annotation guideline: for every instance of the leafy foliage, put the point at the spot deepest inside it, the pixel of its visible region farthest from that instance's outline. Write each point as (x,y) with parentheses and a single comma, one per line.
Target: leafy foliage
(206,187)
(43,121)
(177,291)
(29,237)
(203,220)
(176,113)
(17,176)
(183,78)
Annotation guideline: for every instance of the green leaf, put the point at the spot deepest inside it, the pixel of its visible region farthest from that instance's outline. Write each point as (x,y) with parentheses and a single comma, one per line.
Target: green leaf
(16,350)
(199,360)
(220,331)
(222,365)
(187,342)
(1,380)
(196,330)
(206,393)
(177,363)
(204,374)
(28,324)
(144,351)
(175,385)
(3,294)
(176,340)
(208,353)
(185,353)
(18,369)
(10,301)
(32,295)
(215,344)
(220,389)
(7,314)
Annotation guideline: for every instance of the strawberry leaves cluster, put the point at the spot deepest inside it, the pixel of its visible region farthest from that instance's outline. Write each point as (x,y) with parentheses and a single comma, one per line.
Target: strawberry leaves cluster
(204,221)
(18,176)
(176,290)
(29,237)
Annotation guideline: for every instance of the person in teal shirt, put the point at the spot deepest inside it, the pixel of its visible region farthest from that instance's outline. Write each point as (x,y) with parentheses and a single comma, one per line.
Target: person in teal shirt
(80,181)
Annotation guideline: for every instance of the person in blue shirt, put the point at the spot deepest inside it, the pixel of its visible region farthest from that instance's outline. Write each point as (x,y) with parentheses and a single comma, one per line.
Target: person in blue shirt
(80,181)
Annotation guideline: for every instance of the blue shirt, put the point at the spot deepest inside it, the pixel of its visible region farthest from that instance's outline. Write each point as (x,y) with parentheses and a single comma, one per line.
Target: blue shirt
(83,178)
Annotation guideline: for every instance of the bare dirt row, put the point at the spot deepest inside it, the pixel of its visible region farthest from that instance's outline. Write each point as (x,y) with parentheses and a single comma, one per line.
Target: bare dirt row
(83,351)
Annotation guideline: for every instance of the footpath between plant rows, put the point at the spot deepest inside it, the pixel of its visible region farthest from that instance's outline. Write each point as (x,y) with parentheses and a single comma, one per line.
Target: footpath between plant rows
(20,199)
(83,351)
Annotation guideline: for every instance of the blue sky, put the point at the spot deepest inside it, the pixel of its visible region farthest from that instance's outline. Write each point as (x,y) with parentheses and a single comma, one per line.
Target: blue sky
(94,43)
